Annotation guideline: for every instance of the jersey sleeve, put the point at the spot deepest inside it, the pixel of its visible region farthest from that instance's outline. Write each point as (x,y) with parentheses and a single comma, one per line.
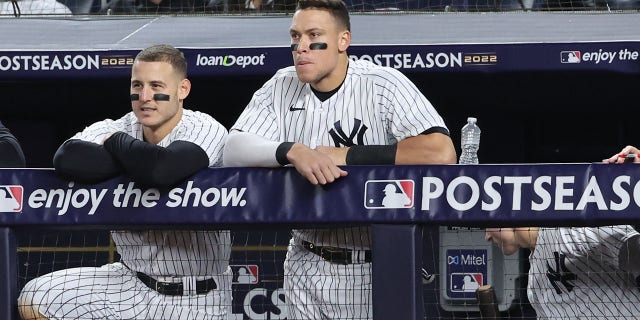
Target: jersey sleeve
(98,131)
(602,242)
(204,131)
(260,116)
(83,156)
(411,113)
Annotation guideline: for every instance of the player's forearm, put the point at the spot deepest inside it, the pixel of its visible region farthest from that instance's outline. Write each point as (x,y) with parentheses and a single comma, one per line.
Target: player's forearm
(152,165)
(85,161)
(244,149)
(629,257)
(433,148)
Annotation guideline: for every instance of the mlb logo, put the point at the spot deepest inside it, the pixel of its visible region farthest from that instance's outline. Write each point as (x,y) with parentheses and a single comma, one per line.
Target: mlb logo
(244,274)
(388,194)
(570,57)
(466,282)
(11,198)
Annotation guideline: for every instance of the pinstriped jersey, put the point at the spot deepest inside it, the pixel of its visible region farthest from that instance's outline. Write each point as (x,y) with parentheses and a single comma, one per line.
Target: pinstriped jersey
(374,106)
(165,252)
(196,127)
(575,275)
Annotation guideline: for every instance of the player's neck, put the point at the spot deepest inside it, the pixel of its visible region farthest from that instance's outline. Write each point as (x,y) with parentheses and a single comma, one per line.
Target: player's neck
(335,78)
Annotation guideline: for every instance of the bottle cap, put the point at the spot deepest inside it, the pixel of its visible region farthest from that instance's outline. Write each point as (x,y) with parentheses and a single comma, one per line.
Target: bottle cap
(472,119)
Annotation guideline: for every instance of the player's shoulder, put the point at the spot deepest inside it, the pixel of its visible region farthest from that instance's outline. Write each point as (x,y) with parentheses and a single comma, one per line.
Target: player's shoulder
(193,118)
(111,124)
(365,68)
(283,78)
(285,74)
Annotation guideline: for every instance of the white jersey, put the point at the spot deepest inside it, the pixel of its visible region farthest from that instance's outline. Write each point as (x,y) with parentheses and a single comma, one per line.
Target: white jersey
(575,275)
(374,106)
(169,252)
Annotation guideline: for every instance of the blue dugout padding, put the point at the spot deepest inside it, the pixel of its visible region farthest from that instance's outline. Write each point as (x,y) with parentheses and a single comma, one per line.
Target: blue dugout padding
(472,195)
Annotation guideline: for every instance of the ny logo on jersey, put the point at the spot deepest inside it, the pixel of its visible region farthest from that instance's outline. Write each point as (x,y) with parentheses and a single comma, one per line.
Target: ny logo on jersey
(341,139)
(561,273)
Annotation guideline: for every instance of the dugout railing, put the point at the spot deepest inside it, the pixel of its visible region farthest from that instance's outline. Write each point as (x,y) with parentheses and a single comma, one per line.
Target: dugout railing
(463,195)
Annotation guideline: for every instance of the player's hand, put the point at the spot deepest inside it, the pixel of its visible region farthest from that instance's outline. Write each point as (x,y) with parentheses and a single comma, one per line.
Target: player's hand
(317,167)
(337,155)
(622,155)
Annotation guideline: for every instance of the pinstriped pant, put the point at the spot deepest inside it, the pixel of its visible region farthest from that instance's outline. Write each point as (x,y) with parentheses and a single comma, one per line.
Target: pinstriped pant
(317,289)
(114,292)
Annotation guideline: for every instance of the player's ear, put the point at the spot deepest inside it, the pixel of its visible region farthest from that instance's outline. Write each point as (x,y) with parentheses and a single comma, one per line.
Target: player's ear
(344,40)
(184,89)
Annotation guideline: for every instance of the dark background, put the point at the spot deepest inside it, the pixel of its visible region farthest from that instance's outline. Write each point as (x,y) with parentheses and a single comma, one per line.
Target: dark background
(525,117)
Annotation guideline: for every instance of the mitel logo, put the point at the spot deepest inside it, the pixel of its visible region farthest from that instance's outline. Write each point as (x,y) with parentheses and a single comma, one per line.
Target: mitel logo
(11,198)
(466,282)
(467,257)
(388,194)
(570,56)
(244,273)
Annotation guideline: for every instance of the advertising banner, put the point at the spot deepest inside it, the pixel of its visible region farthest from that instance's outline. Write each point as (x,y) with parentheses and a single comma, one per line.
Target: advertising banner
(622,57)
(443,194)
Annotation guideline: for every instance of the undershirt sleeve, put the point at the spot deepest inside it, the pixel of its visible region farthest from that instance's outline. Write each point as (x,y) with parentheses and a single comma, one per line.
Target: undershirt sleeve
(245,149)
(156,166)
(85,162)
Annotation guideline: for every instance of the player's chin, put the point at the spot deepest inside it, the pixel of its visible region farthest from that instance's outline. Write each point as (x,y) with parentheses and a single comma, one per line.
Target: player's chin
(305,75)
(147,121)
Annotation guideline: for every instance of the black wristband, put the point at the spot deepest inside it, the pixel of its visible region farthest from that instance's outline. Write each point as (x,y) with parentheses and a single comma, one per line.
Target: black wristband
(373,154)
(281,153)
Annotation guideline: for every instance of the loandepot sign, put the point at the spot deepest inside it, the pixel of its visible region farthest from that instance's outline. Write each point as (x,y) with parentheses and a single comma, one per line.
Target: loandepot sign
(230,60)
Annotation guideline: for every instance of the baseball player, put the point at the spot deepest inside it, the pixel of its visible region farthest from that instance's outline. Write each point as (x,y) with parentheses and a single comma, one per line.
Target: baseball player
(578,273)
(11,155)
(163,274)
(323,112)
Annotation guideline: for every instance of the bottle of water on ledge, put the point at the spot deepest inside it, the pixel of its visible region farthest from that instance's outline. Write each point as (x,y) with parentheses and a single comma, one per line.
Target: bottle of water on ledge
(470,142)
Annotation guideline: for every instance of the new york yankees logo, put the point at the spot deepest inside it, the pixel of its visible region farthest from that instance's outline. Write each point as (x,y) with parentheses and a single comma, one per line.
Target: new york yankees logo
(561,273)
(341,138)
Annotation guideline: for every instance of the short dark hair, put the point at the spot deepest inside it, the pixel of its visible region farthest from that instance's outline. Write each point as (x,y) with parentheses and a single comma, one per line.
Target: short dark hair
(336,8)
(165,53)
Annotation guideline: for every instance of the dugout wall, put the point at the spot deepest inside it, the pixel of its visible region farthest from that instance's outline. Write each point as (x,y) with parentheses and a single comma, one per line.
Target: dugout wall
(442,195)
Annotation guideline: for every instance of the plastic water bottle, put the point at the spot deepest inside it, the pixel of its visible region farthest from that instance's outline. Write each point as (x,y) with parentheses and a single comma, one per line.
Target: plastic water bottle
(470,142)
